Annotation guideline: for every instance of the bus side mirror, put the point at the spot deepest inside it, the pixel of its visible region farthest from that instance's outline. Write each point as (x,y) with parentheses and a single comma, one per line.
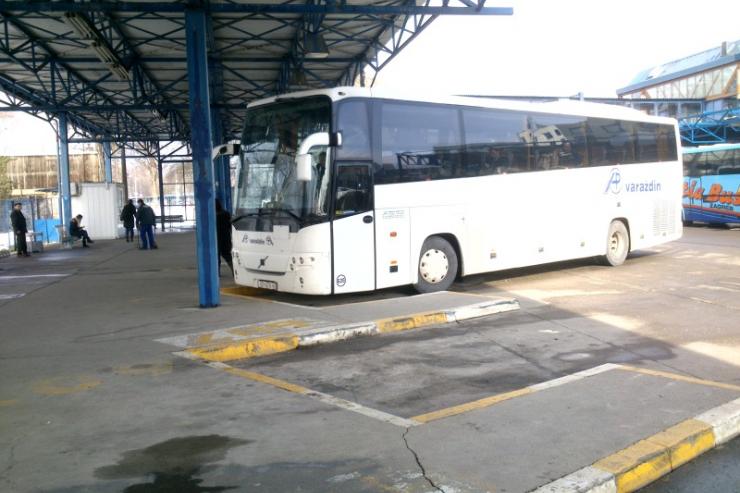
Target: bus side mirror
(225,150)
(304,163)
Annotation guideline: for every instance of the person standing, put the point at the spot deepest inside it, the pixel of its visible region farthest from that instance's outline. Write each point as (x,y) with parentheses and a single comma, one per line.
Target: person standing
(128,217)
(223,235)
(145,220)
(18,222)
(77,230)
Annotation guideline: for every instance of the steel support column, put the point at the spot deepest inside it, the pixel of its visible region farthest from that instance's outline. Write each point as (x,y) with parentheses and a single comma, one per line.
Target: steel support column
(161,185)
(200,129)
(107,158)
(64,187)
(124,172)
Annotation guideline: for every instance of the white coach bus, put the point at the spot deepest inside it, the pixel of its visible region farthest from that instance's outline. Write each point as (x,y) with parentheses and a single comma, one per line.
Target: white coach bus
(347,189)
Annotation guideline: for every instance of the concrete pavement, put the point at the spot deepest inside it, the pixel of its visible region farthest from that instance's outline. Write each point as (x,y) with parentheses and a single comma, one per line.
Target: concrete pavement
(89,401)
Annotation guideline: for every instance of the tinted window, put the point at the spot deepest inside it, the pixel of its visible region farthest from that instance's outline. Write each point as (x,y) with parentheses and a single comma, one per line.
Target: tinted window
(559,141)
(419,142)
(610,142)
(495,142)
(352,122)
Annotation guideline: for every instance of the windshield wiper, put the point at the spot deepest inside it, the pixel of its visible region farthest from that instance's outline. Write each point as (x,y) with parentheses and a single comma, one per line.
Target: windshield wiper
(287,211)
(238,218)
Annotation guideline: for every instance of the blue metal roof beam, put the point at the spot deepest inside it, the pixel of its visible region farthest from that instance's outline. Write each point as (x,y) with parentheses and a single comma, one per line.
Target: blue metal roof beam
(293,63)
(237,8)
(62,79)
(142,83)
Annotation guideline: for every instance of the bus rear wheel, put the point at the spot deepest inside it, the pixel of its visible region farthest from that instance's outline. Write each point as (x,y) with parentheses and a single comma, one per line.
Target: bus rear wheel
(617,244)
(437,265)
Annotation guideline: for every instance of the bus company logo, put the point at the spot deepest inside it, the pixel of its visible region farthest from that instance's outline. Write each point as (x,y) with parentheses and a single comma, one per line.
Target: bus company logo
(268,240)
(341,280)
(263,261)
(615,180)
(614,185)
(245,238)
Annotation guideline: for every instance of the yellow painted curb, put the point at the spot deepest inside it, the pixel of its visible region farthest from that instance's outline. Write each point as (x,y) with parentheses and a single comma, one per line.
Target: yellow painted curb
(656,456)
(246,349)
(685,441)
(396,324)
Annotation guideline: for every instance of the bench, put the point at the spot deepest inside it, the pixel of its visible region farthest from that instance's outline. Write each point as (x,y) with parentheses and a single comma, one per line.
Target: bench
(64,237)
(169,219)
(176,218)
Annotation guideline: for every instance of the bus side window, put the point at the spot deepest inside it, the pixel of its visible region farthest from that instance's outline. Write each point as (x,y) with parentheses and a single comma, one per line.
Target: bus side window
(493,142)
(353,189)
(419,142)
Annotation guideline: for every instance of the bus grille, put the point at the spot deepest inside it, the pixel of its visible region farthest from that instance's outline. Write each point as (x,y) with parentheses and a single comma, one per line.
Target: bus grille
(664,218)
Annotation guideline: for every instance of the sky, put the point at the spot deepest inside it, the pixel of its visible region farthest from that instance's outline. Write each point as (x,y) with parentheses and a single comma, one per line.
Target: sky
(559,48)
(549,48)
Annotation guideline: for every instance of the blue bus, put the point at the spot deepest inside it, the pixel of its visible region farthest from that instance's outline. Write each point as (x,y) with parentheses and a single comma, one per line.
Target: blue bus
(711,187)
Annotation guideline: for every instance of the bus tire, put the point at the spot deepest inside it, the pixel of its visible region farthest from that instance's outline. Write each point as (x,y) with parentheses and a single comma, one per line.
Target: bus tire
(617,244)
(437,266)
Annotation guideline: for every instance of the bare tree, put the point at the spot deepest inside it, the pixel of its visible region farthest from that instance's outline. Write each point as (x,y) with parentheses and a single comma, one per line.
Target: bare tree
(6,184)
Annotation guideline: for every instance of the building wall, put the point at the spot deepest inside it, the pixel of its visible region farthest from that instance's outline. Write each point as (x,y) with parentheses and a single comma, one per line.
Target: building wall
(38,172)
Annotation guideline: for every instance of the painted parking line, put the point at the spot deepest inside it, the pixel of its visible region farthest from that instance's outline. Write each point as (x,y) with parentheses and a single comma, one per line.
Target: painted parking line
(498,398)
(680,378)
(300,390)
(31,276)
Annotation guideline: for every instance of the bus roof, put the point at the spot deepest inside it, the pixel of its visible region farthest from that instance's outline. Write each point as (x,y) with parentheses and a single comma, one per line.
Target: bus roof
(564,106)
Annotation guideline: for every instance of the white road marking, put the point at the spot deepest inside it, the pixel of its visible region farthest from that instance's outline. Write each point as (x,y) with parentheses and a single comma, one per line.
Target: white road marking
(31,276)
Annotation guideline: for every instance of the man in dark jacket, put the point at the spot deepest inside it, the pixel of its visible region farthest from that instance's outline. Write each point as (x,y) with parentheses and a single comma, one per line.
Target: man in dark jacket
(77,230)
(145,221)
(128,217)
(18,221)
(223,235)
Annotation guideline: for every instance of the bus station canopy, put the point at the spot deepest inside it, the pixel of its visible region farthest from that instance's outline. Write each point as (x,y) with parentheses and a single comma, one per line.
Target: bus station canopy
(119,69)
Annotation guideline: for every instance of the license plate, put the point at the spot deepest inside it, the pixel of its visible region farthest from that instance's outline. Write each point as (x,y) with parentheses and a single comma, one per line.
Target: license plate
(267,285)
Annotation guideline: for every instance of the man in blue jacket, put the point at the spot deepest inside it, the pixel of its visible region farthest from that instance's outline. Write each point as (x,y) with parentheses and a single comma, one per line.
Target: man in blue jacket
(146,220)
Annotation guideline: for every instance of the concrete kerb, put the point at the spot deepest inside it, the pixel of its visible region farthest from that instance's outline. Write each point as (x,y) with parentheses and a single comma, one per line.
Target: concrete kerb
(649,459)
(262,346)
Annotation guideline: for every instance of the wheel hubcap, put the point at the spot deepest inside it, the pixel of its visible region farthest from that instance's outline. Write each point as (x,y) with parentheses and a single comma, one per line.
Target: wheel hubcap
(433,266)
(615,244)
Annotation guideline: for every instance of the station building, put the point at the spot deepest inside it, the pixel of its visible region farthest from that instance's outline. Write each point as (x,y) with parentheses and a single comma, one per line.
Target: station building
(701,83)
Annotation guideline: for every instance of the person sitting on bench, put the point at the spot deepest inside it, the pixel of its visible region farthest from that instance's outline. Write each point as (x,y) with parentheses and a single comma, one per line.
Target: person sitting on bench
(76,230)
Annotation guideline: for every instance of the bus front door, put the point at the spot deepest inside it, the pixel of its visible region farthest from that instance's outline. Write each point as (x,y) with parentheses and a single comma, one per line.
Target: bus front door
(353,230)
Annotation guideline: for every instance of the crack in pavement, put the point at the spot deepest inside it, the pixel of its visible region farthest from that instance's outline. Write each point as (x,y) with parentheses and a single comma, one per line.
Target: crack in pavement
(418,462)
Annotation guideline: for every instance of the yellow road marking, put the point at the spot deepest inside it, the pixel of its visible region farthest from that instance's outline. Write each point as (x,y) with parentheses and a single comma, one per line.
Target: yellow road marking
(244,291)
(649,459)
(395,324)
(8,402)
(471,406)
(65,385)
(637,465)
(275,382)
(685,441)
(680,378)
(246,349)
(204,339)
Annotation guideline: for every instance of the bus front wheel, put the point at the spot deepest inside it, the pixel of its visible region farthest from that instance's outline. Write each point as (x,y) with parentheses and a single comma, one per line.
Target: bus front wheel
(617,244)
(437,265)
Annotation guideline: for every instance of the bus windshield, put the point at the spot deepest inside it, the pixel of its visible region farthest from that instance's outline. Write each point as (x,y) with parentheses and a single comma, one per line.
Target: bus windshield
(267,183)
